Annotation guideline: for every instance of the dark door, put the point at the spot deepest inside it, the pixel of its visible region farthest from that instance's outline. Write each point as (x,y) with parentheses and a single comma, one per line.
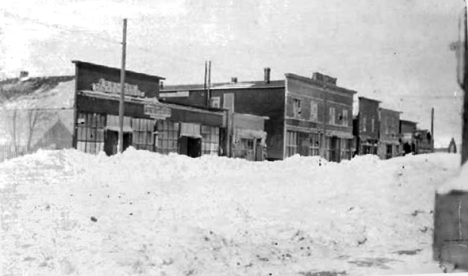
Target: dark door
(194,147)
(335,149)
(111,141)
(190,146)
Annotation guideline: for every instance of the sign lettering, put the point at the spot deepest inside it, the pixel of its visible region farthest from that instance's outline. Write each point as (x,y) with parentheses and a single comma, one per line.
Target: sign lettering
(114,88)
(157,112)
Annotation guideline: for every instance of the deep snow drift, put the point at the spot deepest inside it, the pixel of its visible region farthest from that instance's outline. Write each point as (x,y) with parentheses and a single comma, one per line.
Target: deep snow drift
(142,213)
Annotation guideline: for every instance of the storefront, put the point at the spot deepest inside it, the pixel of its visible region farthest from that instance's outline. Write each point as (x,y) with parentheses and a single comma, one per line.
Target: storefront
(339,146)
(148,124)
(248,137)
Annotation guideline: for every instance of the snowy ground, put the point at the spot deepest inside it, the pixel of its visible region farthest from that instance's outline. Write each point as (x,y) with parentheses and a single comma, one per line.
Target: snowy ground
(141,213)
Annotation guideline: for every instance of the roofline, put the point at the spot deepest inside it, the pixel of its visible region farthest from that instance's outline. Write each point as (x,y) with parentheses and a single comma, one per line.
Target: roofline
(319,83)
(391,110)
(403,120)
(221,86)
(77,62)
(369,99)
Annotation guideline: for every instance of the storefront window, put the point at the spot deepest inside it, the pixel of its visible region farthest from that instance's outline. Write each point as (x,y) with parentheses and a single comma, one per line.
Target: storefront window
(143,134)
(90,135)
(210,140)
(346,148)
(168,135)
(291,143)
(314,148)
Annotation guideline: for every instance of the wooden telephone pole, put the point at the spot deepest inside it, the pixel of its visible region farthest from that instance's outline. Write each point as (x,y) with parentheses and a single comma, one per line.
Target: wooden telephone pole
(122,86)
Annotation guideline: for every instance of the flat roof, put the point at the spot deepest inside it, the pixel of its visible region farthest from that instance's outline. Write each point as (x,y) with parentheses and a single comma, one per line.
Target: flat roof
(368,99)
(319,83)
(78,62)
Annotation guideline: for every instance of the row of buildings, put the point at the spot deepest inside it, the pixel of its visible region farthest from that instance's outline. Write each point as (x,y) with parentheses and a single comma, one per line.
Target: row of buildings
(255,120)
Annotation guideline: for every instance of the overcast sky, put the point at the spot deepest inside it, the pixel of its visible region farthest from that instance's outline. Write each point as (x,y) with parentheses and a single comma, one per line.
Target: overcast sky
(395,51)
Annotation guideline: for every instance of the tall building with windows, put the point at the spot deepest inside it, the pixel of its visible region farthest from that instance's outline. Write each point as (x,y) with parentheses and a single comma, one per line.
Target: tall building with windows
(300,110)
(389,135)
(367,126)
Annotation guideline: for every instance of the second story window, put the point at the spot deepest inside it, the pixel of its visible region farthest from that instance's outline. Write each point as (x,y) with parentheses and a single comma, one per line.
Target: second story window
(373,125)
(313,111)
(297,109)
(331,116)
(344,118)
(364,122)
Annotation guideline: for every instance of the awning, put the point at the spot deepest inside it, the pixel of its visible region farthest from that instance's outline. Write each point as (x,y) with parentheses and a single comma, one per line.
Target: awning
(113,123)
(190,130)
(250,133)
(339,134)
(390,142)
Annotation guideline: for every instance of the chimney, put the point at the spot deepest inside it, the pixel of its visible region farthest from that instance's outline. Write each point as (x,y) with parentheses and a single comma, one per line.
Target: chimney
(234,80)
(267,75)
(23,74)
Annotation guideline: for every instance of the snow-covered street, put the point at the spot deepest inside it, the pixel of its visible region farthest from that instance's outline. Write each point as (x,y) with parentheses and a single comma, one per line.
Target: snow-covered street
(142,213)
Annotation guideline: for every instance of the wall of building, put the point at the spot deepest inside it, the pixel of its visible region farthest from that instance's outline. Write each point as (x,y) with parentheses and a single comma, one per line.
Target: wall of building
(307,106)
(368,113)
(268,102)
(89,74)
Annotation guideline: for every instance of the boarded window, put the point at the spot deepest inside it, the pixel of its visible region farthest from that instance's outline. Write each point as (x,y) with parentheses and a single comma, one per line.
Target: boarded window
(168,135)
(313,111)
(90,136)
(291,143)
(331,115)
(210,140)
(297,108)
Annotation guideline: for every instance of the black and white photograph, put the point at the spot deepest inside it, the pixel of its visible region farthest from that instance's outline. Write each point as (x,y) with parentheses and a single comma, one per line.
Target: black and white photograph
(233,137)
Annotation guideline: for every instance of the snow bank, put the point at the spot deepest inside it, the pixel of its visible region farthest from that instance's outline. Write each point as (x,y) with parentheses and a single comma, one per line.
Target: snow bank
(150,214)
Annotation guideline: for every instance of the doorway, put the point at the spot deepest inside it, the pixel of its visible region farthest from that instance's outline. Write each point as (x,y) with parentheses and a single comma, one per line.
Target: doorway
(111,141)
(335,149)
(190,146)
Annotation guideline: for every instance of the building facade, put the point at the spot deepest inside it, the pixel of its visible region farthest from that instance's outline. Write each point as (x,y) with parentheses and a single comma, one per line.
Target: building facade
(367,126)
(408,141)
(299,111)
(82,112)
(423,140)
(389,135)
(148,124)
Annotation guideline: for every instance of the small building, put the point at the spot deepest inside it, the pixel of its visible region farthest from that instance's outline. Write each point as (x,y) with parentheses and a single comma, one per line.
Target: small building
(300,111)
(87,105)
(249,137)
(407,131)
(423,139)
(389,134)
(367,126)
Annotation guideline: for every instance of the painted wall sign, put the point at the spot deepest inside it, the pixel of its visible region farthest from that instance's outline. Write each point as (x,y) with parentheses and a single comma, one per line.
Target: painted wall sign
(114,87)
(157,111)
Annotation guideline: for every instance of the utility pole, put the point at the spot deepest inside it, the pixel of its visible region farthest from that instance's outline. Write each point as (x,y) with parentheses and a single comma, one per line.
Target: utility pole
(122,86)
(324,121)
(208,94)
(432,129)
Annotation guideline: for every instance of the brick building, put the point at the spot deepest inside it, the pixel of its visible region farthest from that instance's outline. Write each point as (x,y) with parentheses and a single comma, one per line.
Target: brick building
(299,111)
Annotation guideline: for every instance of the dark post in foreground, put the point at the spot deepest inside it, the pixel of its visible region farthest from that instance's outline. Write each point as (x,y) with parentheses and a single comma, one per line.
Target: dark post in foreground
(122,86)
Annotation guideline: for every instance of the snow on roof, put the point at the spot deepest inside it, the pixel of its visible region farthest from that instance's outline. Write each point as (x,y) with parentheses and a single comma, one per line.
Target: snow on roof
(45,92)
